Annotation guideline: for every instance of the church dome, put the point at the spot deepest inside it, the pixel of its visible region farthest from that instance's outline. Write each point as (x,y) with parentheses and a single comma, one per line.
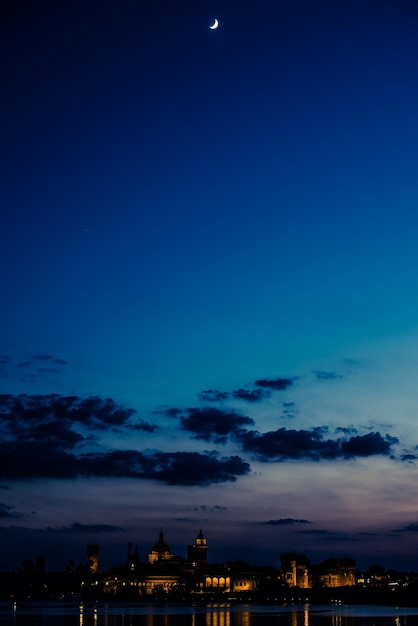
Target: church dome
(161,547)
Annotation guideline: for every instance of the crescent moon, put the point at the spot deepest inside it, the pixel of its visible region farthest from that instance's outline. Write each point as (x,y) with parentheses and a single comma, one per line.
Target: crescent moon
(215,24)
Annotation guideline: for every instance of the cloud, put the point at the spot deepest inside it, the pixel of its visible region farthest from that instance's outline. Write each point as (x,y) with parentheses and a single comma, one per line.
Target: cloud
(55,418)
(144,426)
(264,389)
(321,375)
(346,430)
(43,363)
(77,528)
(288,521)
(368,445)
(7,512)
(205,507)
(211,424)
(213,395)
(409,528)
(172,468)
(20,460)
(289,410)
(251,395)
(41,437)
(408,457)
(43,357)
(248,395)
(275,384)
(285,444)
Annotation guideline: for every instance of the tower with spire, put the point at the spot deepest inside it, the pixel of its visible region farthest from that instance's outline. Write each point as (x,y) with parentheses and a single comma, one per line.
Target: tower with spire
(197,554)
(134,560)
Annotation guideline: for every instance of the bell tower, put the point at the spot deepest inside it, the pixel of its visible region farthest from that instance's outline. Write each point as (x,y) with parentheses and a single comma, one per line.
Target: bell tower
(197,554)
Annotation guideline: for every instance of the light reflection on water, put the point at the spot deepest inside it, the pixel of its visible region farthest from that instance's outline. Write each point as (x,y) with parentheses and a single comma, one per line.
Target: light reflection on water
(101,614)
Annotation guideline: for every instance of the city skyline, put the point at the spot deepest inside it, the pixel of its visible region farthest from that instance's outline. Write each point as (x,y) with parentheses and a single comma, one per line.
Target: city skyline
(209,262)
(159,554)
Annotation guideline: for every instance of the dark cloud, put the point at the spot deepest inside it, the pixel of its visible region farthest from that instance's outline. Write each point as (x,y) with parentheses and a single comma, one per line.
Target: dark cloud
(7,512)
(321,375)
(408,457)
(205,507)
(409,528)
(213,395)
(289,410)
(311,444)
(144,426)
(41,437)
(172,468)
(287,521)
(211,424)
(346,430)
(33,366)
(77,528)
(20,460)
(251,395)
(55,418)
(31,459)
(193,468)
(275,384)
(41,357)
(368,445)
(289,444)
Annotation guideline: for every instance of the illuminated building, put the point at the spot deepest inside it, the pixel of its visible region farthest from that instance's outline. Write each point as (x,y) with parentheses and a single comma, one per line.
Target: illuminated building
(160,552)
(296,570)
(93,558)
(197,554)
(335,573)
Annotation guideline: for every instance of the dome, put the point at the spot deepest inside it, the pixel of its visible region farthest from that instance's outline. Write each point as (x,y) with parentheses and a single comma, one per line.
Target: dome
(161,547)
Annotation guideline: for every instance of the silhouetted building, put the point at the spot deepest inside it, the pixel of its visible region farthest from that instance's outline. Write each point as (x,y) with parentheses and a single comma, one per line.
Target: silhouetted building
(197,554)
(40,565)
(335,573)
(93,558)
(134,560)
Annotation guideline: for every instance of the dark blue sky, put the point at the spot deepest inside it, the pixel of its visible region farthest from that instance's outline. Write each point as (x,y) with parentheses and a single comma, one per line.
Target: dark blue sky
(208,258)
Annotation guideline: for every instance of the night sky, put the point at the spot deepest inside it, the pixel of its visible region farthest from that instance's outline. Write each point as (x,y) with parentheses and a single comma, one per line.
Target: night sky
(209,262)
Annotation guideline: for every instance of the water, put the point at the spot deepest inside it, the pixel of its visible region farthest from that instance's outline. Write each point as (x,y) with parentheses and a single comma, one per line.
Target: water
(131,614)
(114,614)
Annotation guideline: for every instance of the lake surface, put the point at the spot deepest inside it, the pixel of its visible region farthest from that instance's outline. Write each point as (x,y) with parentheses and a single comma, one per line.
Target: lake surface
(131,614)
